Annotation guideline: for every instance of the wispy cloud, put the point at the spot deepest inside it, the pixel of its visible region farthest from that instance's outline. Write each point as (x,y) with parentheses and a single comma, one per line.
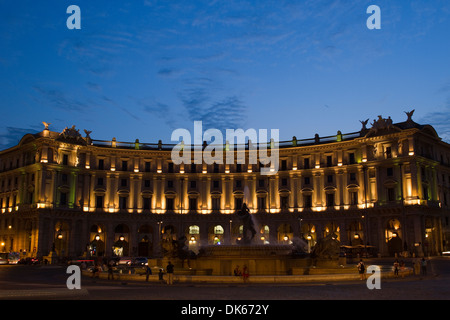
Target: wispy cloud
(56,98)
(12,136)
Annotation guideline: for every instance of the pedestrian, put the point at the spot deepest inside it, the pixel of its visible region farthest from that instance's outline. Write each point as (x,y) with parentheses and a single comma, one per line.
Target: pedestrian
(161,275)
(417,267)
(402,268)
(237,271)
(148,272)
(396,265)
(169,270)
(245,274)
(423,264)
(361,270)
(110,271)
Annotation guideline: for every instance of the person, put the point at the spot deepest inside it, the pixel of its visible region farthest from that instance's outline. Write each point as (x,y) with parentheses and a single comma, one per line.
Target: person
(148,272)
(361,270)
(424,266)
(245,273)
(402,268)
(161,275)
(417,267)
(110,271)
(237,271)
(396,268)
(169,270)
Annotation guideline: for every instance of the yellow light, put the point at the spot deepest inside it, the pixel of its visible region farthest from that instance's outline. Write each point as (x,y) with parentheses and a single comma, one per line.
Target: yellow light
(364,160)
(136,170)
(113,169)
(204,171)
(159,171)
(181,171)
(294,168)
(411,153)
(88,167)
(227,171)
(317,166)
(44,160)
(340,164)
(85,208)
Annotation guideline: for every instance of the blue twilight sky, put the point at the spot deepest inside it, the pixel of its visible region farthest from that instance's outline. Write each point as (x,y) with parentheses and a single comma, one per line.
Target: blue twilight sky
(142,68)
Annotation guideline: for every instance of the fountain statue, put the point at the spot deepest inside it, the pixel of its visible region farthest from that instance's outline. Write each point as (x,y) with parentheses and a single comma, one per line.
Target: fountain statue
(247,220)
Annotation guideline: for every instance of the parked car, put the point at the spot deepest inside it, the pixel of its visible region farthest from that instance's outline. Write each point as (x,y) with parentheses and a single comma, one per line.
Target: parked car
(125,261)
(140,261)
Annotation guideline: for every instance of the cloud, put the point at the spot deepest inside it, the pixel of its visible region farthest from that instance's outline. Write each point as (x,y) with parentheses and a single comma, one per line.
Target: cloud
(227,112)
(13,136)
(58,99)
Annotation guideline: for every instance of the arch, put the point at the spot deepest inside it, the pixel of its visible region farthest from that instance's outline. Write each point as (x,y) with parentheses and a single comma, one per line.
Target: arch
(121,246)
(285,233)
(216,234)
(393,235)
(97,238)
(145,243)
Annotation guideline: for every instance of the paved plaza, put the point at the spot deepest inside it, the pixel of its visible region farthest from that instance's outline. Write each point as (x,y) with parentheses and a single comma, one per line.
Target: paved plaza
(49,282)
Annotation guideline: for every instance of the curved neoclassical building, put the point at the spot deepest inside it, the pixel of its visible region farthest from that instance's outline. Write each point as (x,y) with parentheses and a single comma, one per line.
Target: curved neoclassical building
(386,186)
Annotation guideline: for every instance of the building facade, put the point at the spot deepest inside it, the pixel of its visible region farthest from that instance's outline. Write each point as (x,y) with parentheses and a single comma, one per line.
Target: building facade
(387,187)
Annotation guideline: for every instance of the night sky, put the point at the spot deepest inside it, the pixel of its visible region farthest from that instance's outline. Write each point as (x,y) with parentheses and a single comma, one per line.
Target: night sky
(143,68)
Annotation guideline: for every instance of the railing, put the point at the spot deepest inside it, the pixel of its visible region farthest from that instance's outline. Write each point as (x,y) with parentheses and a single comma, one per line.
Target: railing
(281,144)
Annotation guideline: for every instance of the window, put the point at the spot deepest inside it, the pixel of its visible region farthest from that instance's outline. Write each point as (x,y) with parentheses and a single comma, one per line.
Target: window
(99,181)
(64,178)
(329,178)
(146,203)
(329,161)
(169,203)
(170,167)
(101,164)
(65,160)
(63,199)
(192,204)
(237,203)
(147,183)
(216,184)
(261,183)
(123,182)
(215,204)
(169,184)
(147,166)
(238,183)
(391,194)
(283,165)
(330,199)
(216,168)
(284,182)
(238,167)
(306,163)
(123,203)
(388,153)
(307,180)
(353,198)
(352,176)
(307,201)
(390,172)
(284,202)
(193,184)
(193,168)
(351,158)
(99,202)
(124,165)
(261,203)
